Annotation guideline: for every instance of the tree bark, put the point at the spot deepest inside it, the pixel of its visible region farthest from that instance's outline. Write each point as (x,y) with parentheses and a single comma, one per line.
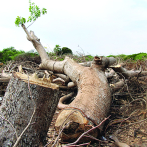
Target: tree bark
(91,104)
(21,100)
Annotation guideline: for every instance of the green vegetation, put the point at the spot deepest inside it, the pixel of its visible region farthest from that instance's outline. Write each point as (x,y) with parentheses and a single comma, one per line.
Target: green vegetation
(134,57)
(61,51)
(59,54)
(8,54)
(57,50)
(66,50)
(88,57)
(35,13)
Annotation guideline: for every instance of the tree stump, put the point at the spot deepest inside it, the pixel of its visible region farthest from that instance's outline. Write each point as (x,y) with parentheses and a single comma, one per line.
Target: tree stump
(18,105)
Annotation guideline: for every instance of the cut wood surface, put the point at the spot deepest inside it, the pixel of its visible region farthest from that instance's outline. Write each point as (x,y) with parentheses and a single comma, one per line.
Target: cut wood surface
(21,100)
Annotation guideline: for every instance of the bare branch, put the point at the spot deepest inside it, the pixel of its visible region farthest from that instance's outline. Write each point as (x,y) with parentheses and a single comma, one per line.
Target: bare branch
(37,44)
(128,73)
(62,128)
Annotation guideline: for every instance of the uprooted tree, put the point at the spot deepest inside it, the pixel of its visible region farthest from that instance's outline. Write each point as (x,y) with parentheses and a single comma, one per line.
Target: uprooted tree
(89,108)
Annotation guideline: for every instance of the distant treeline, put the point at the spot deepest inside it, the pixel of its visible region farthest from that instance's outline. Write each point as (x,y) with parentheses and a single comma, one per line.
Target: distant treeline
(11,53)
(135,57)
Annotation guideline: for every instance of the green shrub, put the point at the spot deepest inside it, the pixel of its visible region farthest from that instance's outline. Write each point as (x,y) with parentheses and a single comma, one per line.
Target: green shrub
(57,50)
(88,58)
(135,57)
(139,56)
(66,50)
(61,51)
(8,54)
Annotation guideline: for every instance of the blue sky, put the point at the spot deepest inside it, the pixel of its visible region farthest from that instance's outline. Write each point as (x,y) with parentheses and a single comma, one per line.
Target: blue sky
(96,27)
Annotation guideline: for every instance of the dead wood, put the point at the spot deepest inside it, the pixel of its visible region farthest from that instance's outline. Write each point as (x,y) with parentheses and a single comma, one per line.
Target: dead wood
(89,100)
(118,85)
(93,100)
(63,99)
(4,80)
(71,84)
(20,101)
(64,77)
(59,81)
(117,142)
(110,74)
(128,73)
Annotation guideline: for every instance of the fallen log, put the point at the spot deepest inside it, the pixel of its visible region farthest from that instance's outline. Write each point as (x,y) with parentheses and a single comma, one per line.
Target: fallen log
(91,104)
(93,99)
(27,98)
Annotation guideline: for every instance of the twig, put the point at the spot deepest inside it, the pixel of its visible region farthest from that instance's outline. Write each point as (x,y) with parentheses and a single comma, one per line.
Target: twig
(60,133)
(138,100)
(17,141)
(132,124)
(11,125)
(128,88)
(62,128)
(78,145)
(31,24)
(51,140)
(88,132)
(125,119)
(89,136)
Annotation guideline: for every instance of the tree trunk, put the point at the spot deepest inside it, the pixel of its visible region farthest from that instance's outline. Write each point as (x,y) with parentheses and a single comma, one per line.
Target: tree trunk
(37,98)
(91,104)
(94,97)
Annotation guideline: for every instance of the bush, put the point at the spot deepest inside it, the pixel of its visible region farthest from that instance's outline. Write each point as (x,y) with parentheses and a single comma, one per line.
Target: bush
(66,50)
(88,58)
(135,57)
(8,54)
(61,51)
(57,50)
(139,56)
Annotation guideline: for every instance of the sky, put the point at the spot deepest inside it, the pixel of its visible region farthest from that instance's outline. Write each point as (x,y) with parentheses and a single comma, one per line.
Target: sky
(95,27)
